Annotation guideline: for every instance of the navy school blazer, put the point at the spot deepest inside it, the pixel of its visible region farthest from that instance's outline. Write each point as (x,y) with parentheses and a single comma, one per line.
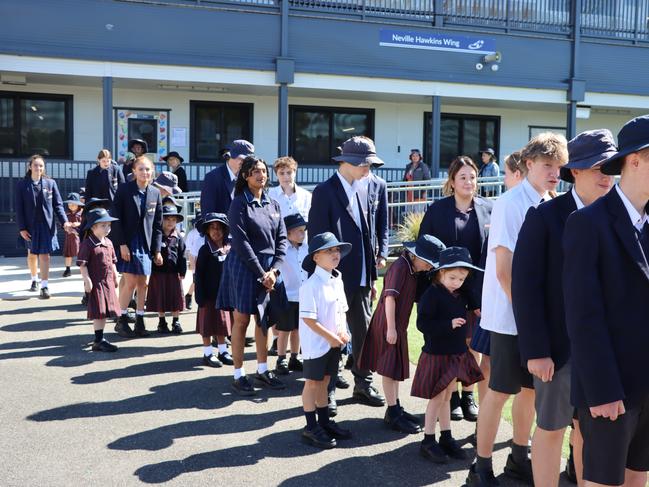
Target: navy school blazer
(126,207)
(377,195)
(537,293)
(100,185)
(606,290)
(52,204)
(216,191)
(331,212)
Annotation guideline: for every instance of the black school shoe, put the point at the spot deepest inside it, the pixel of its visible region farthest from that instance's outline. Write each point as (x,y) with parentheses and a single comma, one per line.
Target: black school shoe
(433,452)
(163,327)
(295,365)
(45,293)
(401,424)
(481,479)
(188,301)
(84,299)
(122,327)
(452,449)
(336,431)
(341,382)
(318,437)
(456,407)
(410,417)
(369,396)
(270,380)
(67,272)
(139,329)
(469,407)
(176,329)
(103,346)
(249,341)
(243,387)
(226,358)
(518,471)
(282,366)
(211,361)
(34,286)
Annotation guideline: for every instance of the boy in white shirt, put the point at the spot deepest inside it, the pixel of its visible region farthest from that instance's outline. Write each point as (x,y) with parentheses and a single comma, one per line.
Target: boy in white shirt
(323,331)
(293,276)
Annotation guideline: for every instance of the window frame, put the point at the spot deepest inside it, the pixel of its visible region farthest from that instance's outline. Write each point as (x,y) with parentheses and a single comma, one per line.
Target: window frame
(17,97)
(192,125)
(292,109)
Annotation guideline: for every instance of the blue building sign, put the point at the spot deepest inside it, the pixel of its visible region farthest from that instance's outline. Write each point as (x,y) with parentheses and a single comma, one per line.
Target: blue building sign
(436,41)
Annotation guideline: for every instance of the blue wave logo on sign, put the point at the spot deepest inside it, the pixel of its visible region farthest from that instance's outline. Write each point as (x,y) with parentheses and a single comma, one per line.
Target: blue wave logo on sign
(436,41)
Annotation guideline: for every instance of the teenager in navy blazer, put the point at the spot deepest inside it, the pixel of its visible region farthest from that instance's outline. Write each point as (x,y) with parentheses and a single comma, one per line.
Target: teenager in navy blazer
(377,196)
(38,202)
(218,186)
(138,235)
(606,287)
(336,207)
(103,180)
(537,298)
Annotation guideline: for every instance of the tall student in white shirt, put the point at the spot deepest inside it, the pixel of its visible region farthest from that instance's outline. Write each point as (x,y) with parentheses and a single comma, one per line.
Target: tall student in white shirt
(291,198)
(544,155)
(323,331)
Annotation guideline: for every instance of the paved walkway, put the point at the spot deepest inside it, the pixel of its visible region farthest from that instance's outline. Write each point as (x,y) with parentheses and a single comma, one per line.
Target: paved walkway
(151,413)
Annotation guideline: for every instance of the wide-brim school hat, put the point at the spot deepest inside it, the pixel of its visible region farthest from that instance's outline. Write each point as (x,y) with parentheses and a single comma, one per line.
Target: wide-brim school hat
(97,215)
(168,181)
(589,149)
(324,241)
(74,199)
(359,151)
(173,154)
(294,221)
(633,137)
(241,149)
(168,211)
(452,257)
(203,221)
(170,200)
(143,143)
(427,248)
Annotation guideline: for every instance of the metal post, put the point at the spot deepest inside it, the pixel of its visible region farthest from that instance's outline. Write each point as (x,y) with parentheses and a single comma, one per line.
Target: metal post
(435,135)
(107,118)
(571,120)
(438,13)
(282,120)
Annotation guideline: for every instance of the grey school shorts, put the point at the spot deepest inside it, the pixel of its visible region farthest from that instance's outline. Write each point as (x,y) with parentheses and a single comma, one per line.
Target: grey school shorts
(552,401)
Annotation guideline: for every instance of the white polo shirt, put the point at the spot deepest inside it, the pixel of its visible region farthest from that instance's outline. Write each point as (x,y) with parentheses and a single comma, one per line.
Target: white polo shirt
(291,271)
(298,202)
(322,298)
(194,241)
(506,220)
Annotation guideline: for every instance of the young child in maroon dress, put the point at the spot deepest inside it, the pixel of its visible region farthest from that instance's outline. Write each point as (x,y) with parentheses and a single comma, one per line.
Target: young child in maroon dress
(445,358)
(212,322)
(97,260)
(165,293)
(71,245)
(385,349)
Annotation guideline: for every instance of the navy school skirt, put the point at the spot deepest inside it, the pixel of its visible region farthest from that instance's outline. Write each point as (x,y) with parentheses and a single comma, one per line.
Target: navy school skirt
(140,263)
(42,242)
(239,287)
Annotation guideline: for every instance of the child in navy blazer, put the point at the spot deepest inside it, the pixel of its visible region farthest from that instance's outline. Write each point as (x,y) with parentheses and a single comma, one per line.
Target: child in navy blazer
(71,245)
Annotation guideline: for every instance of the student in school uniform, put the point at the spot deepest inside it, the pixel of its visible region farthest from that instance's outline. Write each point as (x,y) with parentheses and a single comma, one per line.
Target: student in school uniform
(103,180)
(174,161)
(136,148)
(167,184)
(258,240)
(543,155)
(138,232)
(291,198)
(74,211)
(218,189)
(38,203)
(605,287)
(323,331)
(537,297)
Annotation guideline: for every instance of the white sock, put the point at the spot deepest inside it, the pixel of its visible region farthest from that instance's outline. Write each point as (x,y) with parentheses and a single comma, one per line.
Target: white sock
(262,367)
(44,283)
(35,278)
(140,312)
(238,373)
(223,348)
(207,351)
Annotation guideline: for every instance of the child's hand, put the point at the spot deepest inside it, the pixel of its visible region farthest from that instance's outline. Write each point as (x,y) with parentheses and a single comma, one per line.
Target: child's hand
(391,336)
(457,322)
(157,259)
(87,285)
(335,341)
(344,337)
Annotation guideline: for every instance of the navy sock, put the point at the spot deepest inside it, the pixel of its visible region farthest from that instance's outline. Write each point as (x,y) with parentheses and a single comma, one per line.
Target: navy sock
(310,419)
(99,335)
(323,415)
(428,439)
(445,435)
(483,464)
(519,453)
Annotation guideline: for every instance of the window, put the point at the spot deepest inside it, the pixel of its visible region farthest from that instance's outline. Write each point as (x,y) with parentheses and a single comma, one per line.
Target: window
(317,132)
(462,135)
(214,125)
(35,124)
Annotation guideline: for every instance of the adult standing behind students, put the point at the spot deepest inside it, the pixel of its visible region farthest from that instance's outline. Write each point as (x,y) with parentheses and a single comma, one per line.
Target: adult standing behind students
(258,247)
(218,190)
(174,161)
(291,198)
(38,203)
(416,170)
(336,207)
(138,148)
(489,169)
(537,298)
(605,286)
(103,180)
(461,219)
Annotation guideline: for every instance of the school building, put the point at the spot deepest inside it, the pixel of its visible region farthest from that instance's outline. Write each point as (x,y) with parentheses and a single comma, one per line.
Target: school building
(299,77)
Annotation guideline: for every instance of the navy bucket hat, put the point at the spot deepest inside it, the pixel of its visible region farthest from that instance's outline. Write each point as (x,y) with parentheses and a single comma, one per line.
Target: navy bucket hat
(452,257)
(212,217)
(324,241)
(587,150)
(74,199)
(427,248)
(294,221)
(359,151)
(167,181)
(143,143)
(168,210)
(241,148)
(633,137)
(98,215)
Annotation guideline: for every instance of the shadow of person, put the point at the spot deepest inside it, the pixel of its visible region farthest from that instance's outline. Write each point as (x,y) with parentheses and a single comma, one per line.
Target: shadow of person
(141,370)
(45,325)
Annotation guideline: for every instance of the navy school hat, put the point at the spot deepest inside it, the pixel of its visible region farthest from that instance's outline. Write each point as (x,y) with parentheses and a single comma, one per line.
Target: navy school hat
(587,150)
(93,203)
(489,151)
(97,215)
(167,181)
(143,143)
(427,248)
(170,200)
(452,257)
(212,217)
(168,210)
(359,151)
(74,199)
(175,154)
(634,136)
(294,221)
(324,241)
(241,148)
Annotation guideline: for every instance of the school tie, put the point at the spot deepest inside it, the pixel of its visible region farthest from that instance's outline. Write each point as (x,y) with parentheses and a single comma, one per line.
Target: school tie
(643,238)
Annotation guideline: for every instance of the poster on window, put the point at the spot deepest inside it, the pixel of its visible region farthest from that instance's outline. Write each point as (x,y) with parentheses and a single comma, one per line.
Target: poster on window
(152,126)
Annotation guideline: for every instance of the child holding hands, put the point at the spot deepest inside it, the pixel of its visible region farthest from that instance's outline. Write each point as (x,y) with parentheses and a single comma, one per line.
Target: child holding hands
(445,358)
(323,331)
